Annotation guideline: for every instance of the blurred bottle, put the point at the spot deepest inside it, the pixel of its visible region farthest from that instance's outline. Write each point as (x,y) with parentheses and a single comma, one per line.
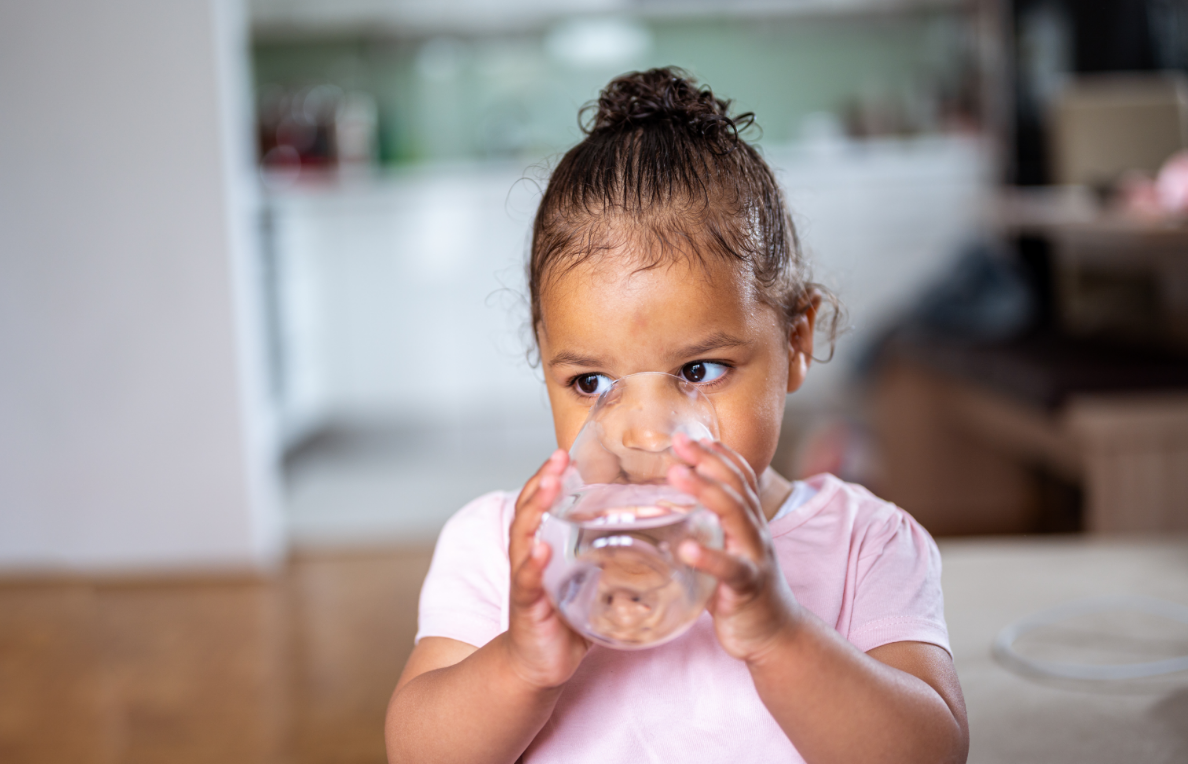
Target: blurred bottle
(315,127)
(356,126)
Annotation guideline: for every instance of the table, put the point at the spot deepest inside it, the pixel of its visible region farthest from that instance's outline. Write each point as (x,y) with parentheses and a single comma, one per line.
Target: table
(990,584)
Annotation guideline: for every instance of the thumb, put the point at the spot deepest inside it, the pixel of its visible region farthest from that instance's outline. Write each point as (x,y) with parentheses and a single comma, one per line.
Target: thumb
(528,580)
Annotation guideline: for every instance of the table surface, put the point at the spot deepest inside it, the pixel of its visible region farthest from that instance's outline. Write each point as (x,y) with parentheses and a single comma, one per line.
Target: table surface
(990,584)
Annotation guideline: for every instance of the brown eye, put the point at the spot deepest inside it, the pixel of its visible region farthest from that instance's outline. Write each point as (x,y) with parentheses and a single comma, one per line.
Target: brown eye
(700,372)
(592,384)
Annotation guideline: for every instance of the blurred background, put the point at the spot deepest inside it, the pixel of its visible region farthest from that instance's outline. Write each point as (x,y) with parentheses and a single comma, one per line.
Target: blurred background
(403,154)
(263,330)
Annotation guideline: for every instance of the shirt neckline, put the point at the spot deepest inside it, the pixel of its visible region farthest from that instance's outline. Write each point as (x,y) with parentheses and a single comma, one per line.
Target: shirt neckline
(827,487)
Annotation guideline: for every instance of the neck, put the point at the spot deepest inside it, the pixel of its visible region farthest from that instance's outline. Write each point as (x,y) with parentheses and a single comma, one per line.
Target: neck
(774,490)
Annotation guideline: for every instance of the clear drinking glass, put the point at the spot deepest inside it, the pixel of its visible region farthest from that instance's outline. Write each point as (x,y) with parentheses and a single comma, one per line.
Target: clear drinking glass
(614,575)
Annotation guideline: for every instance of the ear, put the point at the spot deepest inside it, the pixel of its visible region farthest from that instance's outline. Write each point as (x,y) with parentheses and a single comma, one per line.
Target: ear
(800,343)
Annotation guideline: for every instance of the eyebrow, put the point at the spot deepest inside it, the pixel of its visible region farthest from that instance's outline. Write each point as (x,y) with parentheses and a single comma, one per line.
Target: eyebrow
(715,341)
(568,358)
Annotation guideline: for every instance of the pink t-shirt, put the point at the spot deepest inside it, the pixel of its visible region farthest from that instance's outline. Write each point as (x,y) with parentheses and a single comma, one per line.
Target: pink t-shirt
(860,563)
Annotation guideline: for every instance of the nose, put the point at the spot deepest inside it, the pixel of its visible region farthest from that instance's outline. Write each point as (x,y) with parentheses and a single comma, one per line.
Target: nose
(647,434)
(648,414)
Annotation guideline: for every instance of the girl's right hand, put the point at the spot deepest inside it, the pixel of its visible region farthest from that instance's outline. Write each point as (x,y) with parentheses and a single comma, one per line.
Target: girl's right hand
(543,650)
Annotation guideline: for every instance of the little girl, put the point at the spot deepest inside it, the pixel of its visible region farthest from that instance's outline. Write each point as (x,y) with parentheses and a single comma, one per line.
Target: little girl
(663,243)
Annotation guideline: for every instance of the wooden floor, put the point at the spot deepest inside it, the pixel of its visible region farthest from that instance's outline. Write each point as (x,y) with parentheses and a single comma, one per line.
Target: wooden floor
(296,669)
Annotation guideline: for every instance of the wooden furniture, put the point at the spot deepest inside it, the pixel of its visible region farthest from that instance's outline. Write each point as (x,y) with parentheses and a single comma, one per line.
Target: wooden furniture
(1105,125)
(1114,273)
(995,438)
(966,458)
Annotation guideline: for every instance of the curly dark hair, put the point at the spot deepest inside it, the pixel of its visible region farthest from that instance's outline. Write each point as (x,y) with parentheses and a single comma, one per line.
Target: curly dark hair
(663,164)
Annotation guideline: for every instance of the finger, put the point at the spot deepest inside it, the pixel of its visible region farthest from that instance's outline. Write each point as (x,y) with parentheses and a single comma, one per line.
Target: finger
(738,573)
(738,466)
(528,581)
(711,462)
(533,483)
(555,465)
(537,496)
(738,522)
(741,464)
(716,465)
(522,534)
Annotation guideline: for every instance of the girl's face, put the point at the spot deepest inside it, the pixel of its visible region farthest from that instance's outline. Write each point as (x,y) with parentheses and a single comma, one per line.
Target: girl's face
(606,318)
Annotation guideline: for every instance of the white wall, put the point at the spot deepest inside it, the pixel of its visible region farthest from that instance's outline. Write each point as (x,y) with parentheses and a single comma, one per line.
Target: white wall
(880,221)
(133,432)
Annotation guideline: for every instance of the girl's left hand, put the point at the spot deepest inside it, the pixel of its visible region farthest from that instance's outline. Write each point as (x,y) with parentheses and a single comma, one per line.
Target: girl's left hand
(753,606)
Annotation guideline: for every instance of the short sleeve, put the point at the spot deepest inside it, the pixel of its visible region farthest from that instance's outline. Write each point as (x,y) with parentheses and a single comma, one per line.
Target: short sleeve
(898,597)
(465,592)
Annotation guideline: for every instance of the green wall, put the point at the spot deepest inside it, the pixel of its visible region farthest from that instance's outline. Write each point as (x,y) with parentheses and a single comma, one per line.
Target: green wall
(466,98)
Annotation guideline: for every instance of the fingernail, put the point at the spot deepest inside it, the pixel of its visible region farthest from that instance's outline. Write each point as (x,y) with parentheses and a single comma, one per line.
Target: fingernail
(681,470)
(688,551)
(548,481)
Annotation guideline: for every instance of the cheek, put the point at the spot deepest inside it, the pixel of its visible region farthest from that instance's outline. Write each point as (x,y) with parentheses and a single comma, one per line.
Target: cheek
(567,431)
(751,425)
(568,416)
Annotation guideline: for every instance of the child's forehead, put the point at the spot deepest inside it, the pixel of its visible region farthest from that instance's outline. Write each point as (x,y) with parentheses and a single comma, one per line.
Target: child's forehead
(625,271)
(619,299)
(623,258)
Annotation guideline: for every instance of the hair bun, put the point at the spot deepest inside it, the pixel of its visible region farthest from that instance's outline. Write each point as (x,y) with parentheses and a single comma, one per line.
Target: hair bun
(665,95)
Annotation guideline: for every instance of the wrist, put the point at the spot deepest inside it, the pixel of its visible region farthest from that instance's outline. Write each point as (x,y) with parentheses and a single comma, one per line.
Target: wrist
(521,678)
(781,644)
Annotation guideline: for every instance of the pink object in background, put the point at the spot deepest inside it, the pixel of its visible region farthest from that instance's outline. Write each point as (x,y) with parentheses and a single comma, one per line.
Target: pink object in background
(1138,195)
(1172,184)
(837,447)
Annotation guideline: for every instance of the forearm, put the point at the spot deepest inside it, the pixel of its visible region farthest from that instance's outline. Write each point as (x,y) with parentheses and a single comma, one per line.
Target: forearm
(839,705)
(478,710)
